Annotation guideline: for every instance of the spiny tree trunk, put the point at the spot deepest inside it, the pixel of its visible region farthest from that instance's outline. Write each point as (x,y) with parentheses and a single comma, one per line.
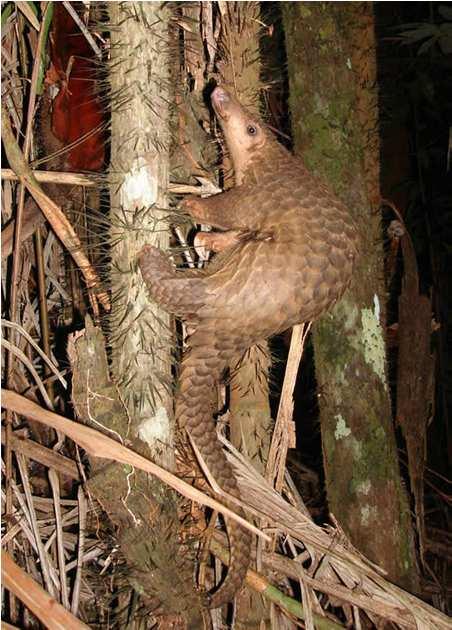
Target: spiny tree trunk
(141,342)
(331,62)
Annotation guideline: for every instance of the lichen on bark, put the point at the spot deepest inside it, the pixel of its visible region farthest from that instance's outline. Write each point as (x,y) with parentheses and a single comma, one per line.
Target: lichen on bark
(333,102)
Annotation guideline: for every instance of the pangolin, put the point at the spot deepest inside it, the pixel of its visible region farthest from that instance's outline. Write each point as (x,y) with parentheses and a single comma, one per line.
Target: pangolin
(292,255)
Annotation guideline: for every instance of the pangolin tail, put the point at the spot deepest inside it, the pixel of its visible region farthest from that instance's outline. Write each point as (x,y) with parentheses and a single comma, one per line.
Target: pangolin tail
(202,368)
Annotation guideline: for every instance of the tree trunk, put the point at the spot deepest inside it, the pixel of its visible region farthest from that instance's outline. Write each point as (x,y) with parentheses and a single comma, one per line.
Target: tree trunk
(140,332)
(332,74)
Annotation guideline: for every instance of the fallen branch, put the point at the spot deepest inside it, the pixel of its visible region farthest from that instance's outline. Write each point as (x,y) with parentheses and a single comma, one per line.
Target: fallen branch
(99,445)
(55,177)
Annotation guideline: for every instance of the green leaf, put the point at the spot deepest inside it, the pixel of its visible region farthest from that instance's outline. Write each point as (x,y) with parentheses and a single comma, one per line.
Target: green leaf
(48,15)
(7,11)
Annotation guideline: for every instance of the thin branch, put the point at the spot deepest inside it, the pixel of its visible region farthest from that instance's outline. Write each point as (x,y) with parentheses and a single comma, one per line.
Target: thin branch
(81,547)
(89,38)
(43,555)
(12,349)
(55,177)
(53,214)
(55,484)
(284,431)
(45,607)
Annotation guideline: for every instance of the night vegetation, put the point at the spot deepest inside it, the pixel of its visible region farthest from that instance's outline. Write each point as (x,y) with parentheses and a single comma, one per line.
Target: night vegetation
(338,432)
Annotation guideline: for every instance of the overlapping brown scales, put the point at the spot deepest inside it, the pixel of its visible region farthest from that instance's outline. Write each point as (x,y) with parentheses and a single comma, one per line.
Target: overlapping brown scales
(201,370)
(297,262)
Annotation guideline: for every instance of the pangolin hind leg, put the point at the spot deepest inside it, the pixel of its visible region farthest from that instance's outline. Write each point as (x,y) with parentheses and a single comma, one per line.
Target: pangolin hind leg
(177,294)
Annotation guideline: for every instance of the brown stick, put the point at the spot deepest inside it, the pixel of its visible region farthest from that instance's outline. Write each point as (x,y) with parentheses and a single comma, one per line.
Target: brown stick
(54,177)
(43,455)
(99,445)
(46,608)
(284,431)
(43,308)
(32,218)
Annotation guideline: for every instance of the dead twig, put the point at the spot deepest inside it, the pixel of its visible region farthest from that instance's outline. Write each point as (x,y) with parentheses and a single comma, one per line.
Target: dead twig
(55,484)
(284,431)
(101,446)
(55,177)
(53,214)
(43,455)
(43,555)
(42,354)
(82,509)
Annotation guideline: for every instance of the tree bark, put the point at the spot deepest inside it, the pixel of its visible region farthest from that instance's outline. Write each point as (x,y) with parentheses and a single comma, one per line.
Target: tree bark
(140,332)
(333,101)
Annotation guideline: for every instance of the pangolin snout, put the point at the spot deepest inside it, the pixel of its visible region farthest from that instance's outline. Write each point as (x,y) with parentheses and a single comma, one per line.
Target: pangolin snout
(220,99)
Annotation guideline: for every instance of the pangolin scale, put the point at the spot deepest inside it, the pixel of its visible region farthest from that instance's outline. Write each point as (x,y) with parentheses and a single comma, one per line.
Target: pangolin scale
(290,257)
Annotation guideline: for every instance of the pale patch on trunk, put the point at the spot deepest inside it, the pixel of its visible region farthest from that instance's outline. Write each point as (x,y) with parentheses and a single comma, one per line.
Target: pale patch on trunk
(373,343)
(156,429)
(140,186)
(342,430)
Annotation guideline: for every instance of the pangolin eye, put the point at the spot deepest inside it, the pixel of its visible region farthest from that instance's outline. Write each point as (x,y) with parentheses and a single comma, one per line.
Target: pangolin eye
(252,130)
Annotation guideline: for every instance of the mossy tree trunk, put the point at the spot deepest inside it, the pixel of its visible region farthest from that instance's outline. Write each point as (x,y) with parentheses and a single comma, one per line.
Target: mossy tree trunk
(140,332)
(333,101)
